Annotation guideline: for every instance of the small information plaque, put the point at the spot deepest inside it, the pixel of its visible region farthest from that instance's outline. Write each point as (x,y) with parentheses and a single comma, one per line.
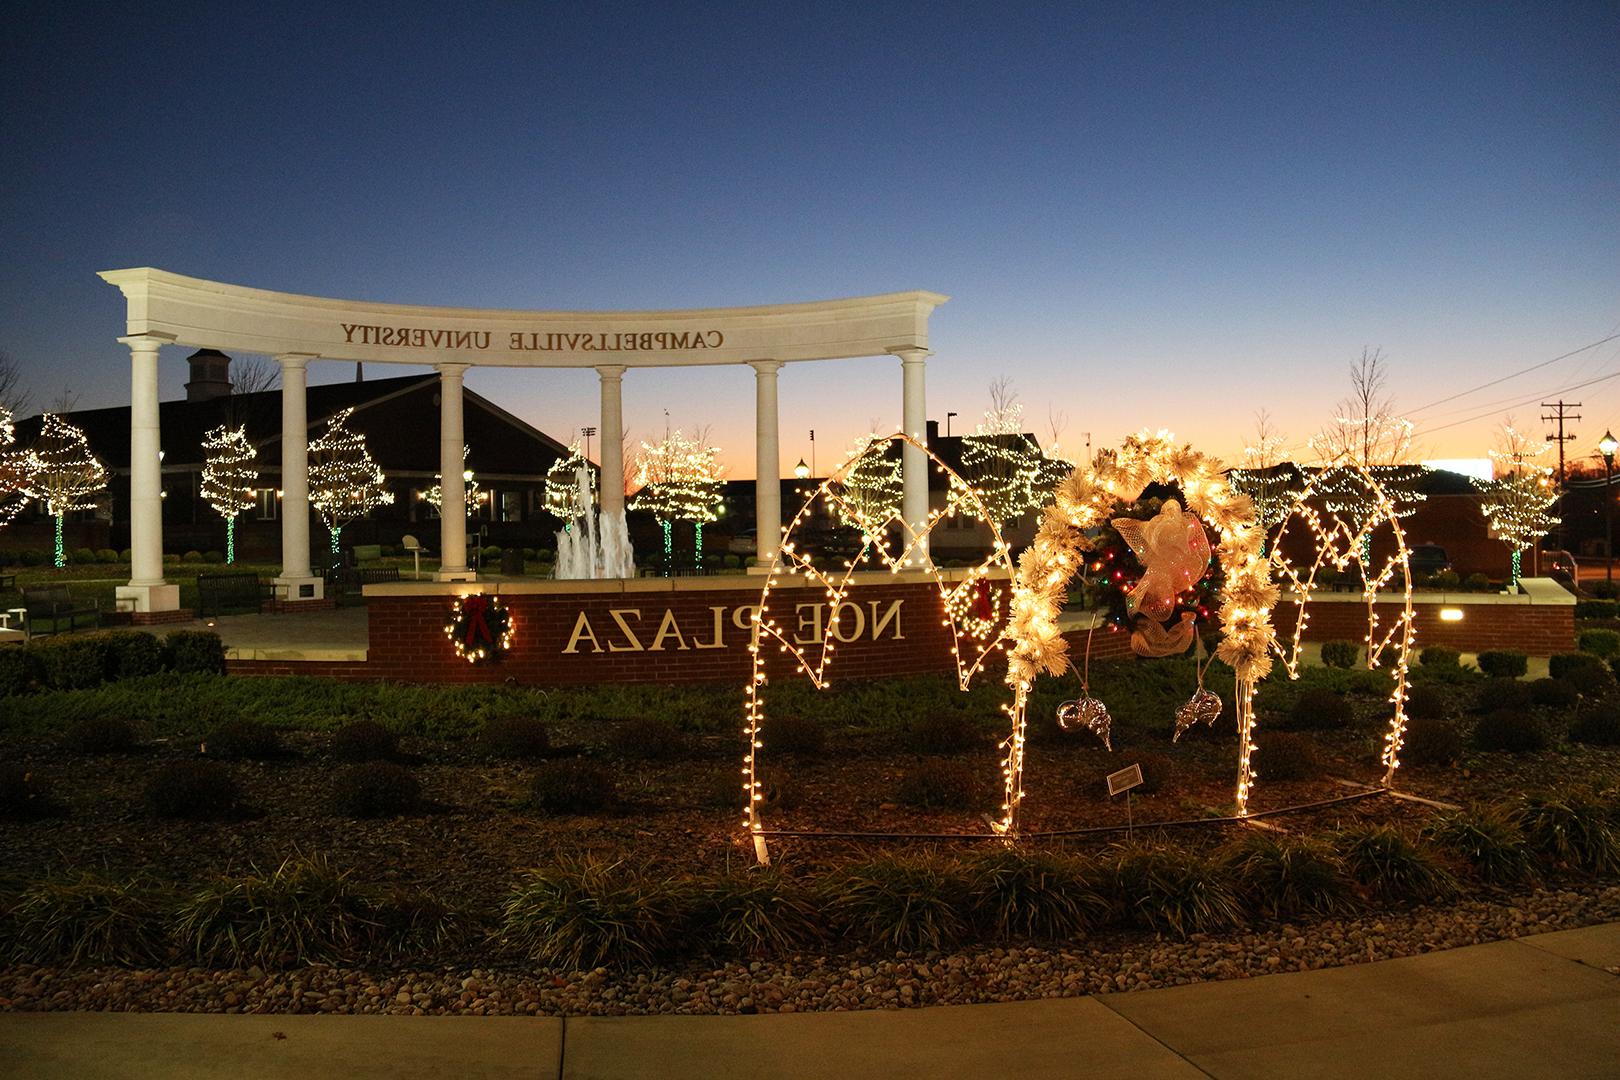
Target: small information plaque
(1124,780)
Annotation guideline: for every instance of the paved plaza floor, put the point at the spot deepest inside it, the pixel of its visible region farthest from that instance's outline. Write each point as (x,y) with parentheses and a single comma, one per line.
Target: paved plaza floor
(1541,1006)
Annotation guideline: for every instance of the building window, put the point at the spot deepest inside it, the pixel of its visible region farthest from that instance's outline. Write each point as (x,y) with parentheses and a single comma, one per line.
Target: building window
(511,506)
(269,504)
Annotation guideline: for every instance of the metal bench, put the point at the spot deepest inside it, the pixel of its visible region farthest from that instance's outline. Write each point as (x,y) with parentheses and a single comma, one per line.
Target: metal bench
(51,605)
(341,580)
(225,594)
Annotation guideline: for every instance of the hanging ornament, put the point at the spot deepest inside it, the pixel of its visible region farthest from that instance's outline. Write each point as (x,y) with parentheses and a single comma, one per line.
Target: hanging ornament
(1086,712)
(480,628)
(1149,637)
(1204,707)
(1175,553)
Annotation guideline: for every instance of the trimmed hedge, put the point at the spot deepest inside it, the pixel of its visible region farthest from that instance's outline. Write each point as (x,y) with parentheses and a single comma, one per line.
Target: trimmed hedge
(1503,663)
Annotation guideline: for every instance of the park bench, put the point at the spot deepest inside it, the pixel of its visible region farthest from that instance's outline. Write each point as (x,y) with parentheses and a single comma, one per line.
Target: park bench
(225,594)
(349,579)
(51,605)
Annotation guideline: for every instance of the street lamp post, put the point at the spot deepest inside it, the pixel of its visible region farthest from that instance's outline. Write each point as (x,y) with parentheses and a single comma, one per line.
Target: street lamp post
(1607,446)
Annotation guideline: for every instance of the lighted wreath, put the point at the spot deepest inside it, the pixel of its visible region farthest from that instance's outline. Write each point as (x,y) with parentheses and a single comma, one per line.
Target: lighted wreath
(480,627)
(1084,500)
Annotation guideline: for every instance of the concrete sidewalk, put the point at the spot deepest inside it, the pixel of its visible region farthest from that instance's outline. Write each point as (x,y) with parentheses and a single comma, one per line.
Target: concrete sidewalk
(1544,1006)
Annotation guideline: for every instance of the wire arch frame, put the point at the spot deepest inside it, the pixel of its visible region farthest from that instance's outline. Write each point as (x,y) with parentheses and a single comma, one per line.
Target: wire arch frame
(974,640)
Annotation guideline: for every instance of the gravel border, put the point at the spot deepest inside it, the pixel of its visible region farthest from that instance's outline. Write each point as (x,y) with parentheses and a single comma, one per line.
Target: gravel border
(1112,963)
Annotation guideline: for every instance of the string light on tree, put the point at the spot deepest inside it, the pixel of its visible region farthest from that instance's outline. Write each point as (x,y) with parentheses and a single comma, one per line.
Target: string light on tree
(1265,477)
(63,474)
(562,486)
(870,485)
(14,471)
(680,480)
(1002,464)
(434,496)
(1518,501)
(345,483)
(229,477)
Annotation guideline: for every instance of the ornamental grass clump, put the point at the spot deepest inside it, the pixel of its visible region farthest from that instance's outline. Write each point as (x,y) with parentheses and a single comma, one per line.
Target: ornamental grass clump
(757,913)
(573,786)
(584,913)
(905,902)
(514,738)
(364,740)
(1571,829)
(1165,888)
(1017,894)
(936,785)
(304,911)
(1288,876)
(1488,839)
(193,790)
(1513,732)
(88,919)
(1392,866)
(375,789)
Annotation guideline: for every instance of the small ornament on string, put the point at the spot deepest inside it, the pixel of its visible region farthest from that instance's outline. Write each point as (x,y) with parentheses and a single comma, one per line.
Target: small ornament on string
(1086,712)
(1204,707)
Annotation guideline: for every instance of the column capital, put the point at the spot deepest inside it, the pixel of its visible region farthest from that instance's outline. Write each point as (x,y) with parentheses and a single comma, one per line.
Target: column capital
(146,342)
(452,371)
(766,367)
(296,360)
(911,354)
(610,372)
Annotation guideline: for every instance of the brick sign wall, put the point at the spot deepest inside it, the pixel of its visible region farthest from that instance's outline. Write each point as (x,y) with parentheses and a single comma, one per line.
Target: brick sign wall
(1533,629)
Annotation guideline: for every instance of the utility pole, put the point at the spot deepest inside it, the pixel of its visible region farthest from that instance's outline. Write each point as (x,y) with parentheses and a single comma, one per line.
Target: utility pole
(1558,416)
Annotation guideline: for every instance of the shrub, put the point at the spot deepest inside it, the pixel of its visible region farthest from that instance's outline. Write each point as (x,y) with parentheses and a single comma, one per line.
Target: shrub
(793,734)
(1512,732)
(32,557)
(940,785)
(364,740)
(195,790)
(1287,876)
(1597,725)
(82,556)
(1340,654)
(1607,590)
(88,919)
(909,902)
(1477,583)
(1595,609)
(1157,771)
(74,663)
(376,789)
(191,557)
(23,795)
(649,738)
(1561,665)
(1167,888)
(1446,579)
(731,562)
(572,786)
(1013,893)
(20,671)
(242,738)
(944,733)
(303,912)
(1604,643)
(1497,694)
(759,912)
(1588,674)
(1487,838)
(1570,830)
(1503,663)
(1554,693)
(1440,656)
(1392,866)
(132,654)
(106,555)
(1320,709)
(520,738)
(1431,741)
(585,914)
(98,735)
(1281,756)
(1426,703)
(195,651)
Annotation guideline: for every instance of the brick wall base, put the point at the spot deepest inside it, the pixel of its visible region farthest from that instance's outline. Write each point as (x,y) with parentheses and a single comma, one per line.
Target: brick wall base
(1533,629)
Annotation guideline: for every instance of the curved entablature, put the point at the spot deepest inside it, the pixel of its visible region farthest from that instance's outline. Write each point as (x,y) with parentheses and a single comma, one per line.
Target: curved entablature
(212,314)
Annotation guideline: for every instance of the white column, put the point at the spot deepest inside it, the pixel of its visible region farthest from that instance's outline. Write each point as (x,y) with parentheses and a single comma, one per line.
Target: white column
(452,489)
(612,429)
(913,462)
(767,461)
(146,591)
(297,581)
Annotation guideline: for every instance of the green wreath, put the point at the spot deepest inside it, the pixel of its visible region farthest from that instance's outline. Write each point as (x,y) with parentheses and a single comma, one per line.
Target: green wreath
(480,627)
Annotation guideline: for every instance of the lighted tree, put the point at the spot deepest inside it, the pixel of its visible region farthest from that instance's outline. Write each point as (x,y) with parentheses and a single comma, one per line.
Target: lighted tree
(344,482)
(471,494)
(1265,477)
(14,471)
(562,486)
(1366,432)
(872,487)
(229,477)
(1002,464)
(1518,500)
(680,480)
(63,473)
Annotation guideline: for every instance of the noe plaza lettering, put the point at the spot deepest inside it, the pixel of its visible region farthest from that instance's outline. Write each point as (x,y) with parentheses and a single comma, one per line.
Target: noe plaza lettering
(425,337)
(648,630)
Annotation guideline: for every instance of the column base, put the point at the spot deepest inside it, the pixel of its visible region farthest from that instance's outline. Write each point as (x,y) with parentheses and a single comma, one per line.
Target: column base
(148,598)
(290,590)
(455,575)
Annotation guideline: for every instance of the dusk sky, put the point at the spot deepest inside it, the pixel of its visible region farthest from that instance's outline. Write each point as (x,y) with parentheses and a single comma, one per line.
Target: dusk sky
(1159,216)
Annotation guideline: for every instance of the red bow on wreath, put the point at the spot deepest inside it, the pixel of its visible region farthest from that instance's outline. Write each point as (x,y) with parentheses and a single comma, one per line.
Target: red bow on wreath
(476,609)
(981,600)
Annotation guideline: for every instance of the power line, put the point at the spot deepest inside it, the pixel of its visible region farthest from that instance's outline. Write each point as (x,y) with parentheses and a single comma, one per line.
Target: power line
(1516,374)
(1520,401)
(1559,417)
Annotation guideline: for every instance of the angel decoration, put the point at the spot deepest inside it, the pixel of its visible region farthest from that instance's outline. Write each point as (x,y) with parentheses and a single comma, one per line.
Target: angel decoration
(1175,556)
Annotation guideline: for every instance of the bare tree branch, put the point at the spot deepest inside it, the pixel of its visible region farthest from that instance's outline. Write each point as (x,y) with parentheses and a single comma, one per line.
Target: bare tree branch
(13,397)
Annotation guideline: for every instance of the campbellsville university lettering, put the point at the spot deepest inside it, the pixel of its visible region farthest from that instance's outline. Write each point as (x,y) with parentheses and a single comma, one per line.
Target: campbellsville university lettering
(420,337)
(626,629)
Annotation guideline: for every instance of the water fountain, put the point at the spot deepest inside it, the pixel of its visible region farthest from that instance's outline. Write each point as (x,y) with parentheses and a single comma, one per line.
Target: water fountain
(593,545)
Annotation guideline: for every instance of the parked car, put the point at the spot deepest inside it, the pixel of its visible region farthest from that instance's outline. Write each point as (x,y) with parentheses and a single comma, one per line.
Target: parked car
(1428,559)
(1559,564)
(744,543)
